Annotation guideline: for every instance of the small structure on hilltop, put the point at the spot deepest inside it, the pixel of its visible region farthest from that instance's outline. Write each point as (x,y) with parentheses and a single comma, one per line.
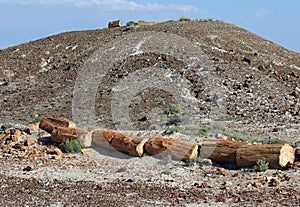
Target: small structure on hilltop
(115,23)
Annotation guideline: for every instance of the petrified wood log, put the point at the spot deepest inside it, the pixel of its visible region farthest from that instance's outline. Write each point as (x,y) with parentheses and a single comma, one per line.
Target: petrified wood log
(179,150)
(222,151)
(131,145)
(49,123)
(278,155)
(116,23)
(134,146)
(61,134)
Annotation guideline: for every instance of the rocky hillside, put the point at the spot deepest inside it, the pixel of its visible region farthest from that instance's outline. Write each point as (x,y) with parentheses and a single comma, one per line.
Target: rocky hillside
(258,79)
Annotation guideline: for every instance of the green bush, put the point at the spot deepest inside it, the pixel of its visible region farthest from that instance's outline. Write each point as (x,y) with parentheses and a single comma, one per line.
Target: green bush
(275,141)
(37,119)
(166,172)
(261,166)
(184,19)
(72,145)
(189,130)
(130,23)
(131,27)
(173,109)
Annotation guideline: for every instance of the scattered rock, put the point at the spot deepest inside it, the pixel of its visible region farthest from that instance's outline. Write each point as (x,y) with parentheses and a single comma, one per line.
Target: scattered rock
(222,171)
(54,150)
(274,181)
(27,169)
(257,184)
(29,142)
(34,127)
(88,151)
(247,60)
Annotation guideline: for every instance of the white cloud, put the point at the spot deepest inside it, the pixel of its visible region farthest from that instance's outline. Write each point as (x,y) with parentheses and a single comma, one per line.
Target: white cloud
(107,4)
(262,13)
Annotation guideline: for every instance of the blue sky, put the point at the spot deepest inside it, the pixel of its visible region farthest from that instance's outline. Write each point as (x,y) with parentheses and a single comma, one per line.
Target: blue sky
(26,20)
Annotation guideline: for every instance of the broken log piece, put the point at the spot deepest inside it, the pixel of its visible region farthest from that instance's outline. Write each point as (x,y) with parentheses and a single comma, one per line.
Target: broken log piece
(131,145)
(61,134)
(222,151)
(109,136)
(49,123)
(178,149)
(116,23)
(278,155)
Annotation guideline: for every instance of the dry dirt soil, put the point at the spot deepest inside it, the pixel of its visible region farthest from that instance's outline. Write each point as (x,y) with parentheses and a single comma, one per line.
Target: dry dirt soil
(254,95)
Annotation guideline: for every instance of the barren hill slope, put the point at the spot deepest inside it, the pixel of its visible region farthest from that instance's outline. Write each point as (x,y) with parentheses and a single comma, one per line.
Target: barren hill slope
(235,83)
(259,79)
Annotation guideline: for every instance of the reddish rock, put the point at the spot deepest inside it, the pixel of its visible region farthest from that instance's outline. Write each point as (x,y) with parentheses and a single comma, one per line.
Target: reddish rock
(88,151)
(222,171)
(55,150)
(16,134)
(34,127)
(29,142)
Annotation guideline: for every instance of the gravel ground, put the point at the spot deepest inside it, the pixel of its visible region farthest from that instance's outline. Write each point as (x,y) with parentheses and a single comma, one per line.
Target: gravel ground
(110,178)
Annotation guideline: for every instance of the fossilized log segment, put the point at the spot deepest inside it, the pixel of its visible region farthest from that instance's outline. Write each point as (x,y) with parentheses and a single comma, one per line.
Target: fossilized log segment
(85,136)
(49,123)
(116,23)
(134,146)
(179,150)
(278,155)
(223,151)
(61,134)
(109,136)
(131,145)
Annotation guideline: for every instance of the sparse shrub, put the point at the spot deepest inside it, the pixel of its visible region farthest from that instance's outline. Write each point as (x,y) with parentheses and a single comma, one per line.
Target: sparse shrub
(130,23)
(189,130)
(132,27)
(71,145)
(261,166)
(198,161)
(244,138)
(37,119)
(174,120)
(192,162)
(275,141)
(184,19)
(173,109)
(166,172)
